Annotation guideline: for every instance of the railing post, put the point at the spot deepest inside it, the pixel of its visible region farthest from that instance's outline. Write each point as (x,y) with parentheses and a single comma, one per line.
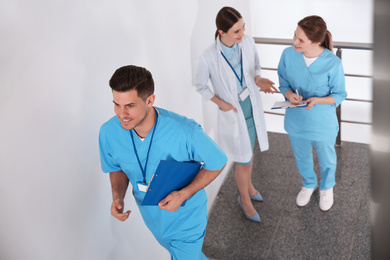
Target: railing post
(338,109)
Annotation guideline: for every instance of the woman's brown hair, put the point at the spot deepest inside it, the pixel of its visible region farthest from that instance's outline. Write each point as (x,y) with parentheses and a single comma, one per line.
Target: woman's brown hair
(315,29)
(226,18)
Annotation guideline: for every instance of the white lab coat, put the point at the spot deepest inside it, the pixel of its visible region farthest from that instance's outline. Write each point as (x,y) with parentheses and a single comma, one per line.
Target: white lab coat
(233,136)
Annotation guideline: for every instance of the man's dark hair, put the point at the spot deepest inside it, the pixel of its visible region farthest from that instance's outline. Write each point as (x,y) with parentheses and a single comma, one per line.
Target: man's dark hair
(132,77)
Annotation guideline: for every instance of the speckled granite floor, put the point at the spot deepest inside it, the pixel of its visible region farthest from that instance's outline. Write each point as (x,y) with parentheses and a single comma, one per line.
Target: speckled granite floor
(287,231)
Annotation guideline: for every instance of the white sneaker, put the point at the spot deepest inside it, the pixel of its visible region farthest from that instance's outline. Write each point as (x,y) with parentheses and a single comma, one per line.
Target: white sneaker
(304,196)
(326,199)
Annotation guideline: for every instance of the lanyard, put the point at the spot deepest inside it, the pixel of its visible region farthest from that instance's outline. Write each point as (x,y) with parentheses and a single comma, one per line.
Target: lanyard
(239,79)
(147,155)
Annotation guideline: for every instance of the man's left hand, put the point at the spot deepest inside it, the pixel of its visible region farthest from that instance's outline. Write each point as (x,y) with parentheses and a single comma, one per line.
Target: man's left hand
(172,202)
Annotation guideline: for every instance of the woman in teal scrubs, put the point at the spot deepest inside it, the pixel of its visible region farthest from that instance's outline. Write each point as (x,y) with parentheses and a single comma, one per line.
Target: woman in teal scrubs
(310,69)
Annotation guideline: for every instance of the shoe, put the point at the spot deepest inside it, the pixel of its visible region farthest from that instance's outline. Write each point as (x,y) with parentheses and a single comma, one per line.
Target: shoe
(326,199)
(255,217)
(304,196)
(257,197)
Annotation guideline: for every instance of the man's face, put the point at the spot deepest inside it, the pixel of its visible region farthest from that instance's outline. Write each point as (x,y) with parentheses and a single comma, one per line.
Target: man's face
(131,109)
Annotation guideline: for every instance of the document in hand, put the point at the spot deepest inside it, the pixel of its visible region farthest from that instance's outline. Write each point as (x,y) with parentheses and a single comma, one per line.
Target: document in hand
(287,104)
(169,176)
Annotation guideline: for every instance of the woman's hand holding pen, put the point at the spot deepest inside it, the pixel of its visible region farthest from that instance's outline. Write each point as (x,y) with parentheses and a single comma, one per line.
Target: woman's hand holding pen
(265,85)
(293,97)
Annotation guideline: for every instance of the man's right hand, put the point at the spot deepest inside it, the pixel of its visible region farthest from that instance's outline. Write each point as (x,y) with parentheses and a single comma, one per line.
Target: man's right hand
(117,210)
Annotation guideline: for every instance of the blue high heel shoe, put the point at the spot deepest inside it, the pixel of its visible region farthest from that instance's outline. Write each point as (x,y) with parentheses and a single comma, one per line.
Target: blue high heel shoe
(255,217)
(257,197)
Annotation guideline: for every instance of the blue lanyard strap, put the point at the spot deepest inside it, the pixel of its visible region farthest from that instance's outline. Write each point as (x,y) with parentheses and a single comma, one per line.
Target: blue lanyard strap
(147,155)
(239,79)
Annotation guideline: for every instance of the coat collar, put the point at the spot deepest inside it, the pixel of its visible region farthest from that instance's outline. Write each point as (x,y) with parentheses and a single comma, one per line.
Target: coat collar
(219,47)
(224,70)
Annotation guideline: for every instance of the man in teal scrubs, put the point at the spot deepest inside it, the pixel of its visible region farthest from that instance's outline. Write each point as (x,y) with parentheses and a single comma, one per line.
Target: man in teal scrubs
(131,145)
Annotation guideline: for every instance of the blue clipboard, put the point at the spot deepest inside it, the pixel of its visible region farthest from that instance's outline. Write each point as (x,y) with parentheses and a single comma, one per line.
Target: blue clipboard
(287,104)
(169,176)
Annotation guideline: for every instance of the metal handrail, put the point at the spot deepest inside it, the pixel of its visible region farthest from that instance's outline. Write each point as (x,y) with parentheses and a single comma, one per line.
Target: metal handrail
(337,45)
(346,74)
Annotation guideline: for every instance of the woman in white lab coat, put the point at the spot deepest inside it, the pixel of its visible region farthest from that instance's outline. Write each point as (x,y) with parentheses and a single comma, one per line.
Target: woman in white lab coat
(232,65)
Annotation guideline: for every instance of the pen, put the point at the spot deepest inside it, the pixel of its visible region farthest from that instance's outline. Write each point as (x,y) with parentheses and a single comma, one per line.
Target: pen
(296,91)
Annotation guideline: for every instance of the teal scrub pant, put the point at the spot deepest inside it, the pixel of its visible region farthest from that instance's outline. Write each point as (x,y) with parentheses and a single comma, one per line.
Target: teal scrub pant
(190,249)
(327,160)
(181,232)
(246,107)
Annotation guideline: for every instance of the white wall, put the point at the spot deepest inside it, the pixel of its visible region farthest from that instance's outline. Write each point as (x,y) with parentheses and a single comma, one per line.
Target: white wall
(56,60)
(348,21)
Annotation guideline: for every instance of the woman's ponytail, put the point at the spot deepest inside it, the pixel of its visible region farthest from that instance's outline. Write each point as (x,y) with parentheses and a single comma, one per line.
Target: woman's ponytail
(328,43)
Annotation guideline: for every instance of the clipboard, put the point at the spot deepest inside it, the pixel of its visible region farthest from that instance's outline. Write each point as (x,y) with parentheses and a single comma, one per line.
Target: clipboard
(287,104)
(169,176)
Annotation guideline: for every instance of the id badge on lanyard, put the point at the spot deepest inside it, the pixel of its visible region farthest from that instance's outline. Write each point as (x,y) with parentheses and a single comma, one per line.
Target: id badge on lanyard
(142,186)
(244,94)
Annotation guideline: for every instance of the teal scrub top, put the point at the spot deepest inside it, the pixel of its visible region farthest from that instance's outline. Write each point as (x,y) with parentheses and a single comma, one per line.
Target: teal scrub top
(324,77)
(176,138)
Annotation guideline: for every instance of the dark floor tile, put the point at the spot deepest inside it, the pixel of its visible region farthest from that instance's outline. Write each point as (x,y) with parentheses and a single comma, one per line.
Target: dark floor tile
(287,231)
